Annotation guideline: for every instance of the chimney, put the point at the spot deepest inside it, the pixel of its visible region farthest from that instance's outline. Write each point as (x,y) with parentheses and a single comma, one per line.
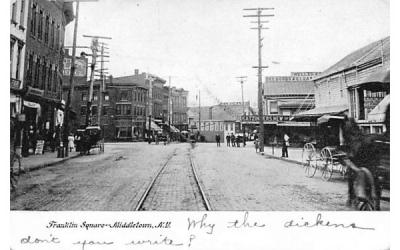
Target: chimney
(136,72)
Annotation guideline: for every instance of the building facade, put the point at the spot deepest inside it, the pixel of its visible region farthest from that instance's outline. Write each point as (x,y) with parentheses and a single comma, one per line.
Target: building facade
(42,70)
(179,108)
(18,30)
(355,87)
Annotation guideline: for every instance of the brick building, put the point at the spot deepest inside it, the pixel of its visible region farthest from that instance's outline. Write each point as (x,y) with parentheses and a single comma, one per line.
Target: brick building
(353,87)
(179,108)
(43,63)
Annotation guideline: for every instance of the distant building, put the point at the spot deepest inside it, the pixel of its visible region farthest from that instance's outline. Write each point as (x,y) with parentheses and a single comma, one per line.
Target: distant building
(179,108)
(222,119)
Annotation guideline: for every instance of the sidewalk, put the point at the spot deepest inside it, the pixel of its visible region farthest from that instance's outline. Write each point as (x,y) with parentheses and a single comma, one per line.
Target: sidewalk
(295,154)
(34,162)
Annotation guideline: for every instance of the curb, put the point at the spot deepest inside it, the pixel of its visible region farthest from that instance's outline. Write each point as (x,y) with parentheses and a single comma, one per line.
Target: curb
(49,164)
(282,159)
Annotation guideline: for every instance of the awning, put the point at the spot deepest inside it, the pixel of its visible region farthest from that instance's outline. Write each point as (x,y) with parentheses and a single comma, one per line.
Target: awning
(33,105)
(381,76)
(379,112)
(327,118)
(320,111)
(155,127)
(173,129)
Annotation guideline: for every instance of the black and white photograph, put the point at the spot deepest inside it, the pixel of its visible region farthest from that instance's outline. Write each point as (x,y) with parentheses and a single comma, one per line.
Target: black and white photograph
(200,106)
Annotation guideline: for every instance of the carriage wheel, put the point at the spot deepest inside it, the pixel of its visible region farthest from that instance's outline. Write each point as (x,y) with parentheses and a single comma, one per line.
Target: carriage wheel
(309,159)
(327,161)
(366,206)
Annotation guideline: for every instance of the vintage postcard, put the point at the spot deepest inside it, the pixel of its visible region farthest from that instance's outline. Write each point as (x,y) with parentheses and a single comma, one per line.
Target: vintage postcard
(217,124)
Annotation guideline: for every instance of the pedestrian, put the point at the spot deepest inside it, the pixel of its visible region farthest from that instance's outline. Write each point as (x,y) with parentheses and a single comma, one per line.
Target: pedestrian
(218,139)
(233,140)
(71,144)
(238,141)
(256,145)
(285,146)
(156,139)
(228,140)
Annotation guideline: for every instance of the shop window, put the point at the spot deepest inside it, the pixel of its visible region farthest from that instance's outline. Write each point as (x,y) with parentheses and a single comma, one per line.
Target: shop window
(83,110)
(124,132)
(378,129)
(273,107)
(124,95)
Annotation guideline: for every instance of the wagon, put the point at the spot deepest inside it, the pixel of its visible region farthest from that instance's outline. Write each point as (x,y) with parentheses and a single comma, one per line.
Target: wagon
(327,161)
(92,138)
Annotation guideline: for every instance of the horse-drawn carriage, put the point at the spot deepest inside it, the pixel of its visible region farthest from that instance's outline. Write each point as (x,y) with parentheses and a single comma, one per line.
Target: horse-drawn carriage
(367,168)
(91,137)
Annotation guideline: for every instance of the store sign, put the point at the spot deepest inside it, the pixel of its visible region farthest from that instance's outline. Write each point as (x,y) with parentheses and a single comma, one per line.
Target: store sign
(35,92)
(80,67)
(267,118)
(15,84)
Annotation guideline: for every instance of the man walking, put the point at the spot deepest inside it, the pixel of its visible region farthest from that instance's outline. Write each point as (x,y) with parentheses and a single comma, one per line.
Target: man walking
(218,139)
(228,140)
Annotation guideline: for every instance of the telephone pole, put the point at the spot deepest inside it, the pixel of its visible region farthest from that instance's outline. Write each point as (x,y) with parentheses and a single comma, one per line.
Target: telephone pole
(241,80)
(71,77)
(95,48)
(260,27)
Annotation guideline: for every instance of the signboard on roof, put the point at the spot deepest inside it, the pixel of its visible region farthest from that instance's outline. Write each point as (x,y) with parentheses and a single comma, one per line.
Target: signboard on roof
(80,67)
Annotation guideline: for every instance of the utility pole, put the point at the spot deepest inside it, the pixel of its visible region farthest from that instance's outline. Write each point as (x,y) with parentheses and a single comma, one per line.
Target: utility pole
(150,93)
(260,68)
(102,86)
(199,115)
(95,48)
(241,79)
(170,112)
(71,77)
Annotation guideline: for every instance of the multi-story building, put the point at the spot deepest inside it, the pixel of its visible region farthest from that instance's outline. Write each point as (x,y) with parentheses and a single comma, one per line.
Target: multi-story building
(285,96)
(179,108)
(355,87)
(18,28)
(43,64)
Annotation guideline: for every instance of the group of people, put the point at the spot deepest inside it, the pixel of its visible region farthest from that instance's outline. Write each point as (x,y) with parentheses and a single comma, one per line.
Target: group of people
(234,141)
(285,145)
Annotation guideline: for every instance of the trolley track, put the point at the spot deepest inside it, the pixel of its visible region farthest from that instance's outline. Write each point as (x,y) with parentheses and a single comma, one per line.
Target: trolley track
(154,190)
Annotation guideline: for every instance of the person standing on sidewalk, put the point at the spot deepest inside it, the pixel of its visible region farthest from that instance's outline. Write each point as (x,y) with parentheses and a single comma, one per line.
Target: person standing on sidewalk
(285,146)
(218,139)
(256,144)
(71,144)
(228,140)
(233,139)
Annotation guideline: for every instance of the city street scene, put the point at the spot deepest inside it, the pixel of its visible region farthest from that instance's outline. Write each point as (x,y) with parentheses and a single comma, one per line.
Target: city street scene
(217,105)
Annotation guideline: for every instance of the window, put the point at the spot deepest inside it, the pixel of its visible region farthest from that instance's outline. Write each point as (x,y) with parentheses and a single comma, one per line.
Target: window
(94,110)
(106,97)
(47,30)
(21,17)
(273,107)
(29,75)
(378,130)
(18,61)
(124,95)
(84,97)
(104,110)
(123,109)
(56,37)
(33,19)
(40,25)
(37,70)
(44,72)
(94,96)
(14,12)
(55,79)
(52,27)
(61,41)
(83,110)
(49,79)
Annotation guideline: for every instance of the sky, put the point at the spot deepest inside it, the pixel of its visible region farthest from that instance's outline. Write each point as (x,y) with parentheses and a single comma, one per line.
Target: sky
(204,45)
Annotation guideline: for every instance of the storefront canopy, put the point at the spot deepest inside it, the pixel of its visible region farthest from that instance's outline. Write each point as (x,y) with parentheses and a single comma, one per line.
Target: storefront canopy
(173,129)
(155,127)
(379,112)
(320,111)
(327,118)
